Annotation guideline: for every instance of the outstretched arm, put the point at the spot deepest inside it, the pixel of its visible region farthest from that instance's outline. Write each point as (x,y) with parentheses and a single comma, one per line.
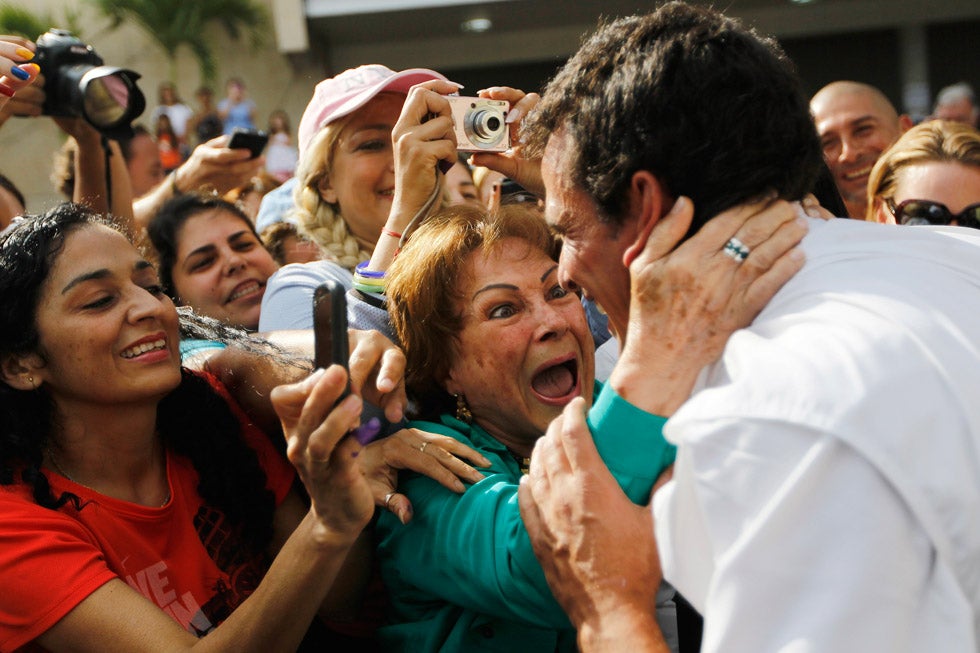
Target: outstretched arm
(210,164)
(276,616)
(579,520)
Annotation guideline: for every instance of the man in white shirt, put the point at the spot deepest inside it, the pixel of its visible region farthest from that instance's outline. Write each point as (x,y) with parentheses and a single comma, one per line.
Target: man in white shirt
(827,484)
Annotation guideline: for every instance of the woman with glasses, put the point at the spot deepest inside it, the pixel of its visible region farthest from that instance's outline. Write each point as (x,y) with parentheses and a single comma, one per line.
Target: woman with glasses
(931,175)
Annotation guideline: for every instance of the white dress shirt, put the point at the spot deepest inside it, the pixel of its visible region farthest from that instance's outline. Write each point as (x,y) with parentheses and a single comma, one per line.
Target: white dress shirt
(826,494)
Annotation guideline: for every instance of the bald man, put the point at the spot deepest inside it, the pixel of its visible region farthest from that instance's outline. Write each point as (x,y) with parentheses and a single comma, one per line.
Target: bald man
(856,123)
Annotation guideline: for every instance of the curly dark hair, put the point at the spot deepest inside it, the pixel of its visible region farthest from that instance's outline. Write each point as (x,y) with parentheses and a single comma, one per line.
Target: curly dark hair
(166,224)
(713,110)
(193,420)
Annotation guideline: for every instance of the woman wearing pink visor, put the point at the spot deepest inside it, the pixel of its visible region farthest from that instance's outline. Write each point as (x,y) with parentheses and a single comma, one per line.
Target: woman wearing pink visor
(371,142)
(347,165)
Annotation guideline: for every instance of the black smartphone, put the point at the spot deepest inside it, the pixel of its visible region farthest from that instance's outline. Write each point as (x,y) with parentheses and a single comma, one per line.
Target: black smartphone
(330,327)
(250,139)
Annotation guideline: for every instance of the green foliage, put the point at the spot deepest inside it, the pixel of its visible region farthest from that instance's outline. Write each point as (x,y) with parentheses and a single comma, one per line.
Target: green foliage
(24,22)
(175,23)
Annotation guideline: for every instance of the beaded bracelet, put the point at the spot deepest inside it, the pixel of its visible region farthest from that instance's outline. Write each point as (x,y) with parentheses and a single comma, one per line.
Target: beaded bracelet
(374,283)
(361,270)
(372,290)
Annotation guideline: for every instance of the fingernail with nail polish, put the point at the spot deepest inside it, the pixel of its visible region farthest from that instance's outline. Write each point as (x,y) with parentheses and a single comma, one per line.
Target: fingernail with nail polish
(24,54)
(19,73)
(366,432)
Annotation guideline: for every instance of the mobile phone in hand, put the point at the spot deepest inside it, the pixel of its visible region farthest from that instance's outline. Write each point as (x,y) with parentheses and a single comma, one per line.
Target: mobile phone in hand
(249,139)
(330,328)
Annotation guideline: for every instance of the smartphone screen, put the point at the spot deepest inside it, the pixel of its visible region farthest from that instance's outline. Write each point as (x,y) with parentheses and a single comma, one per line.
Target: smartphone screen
(330,327)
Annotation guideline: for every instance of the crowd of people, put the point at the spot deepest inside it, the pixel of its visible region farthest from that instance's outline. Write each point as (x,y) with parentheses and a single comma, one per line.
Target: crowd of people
(661,376)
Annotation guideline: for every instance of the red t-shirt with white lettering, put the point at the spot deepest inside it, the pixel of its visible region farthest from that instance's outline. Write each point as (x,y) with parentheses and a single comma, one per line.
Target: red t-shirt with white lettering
(181,556)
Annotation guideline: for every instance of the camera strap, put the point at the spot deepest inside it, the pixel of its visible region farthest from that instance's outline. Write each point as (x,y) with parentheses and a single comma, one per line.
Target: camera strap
(107,152)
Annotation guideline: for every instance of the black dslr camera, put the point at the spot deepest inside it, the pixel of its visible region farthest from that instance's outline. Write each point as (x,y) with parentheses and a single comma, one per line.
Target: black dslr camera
(78,84)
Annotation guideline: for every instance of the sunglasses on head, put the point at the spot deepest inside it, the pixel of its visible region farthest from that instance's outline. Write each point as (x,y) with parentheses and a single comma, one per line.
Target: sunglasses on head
(922,212)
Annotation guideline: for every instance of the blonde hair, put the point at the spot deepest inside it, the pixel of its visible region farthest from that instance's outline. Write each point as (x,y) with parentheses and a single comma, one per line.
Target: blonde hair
(936,140)
(315,218)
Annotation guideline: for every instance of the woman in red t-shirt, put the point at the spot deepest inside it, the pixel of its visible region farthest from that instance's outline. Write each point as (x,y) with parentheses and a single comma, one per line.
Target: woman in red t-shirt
(141,510)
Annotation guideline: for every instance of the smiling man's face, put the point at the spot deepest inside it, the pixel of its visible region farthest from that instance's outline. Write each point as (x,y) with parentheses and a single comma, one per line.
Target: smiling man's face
(855,127)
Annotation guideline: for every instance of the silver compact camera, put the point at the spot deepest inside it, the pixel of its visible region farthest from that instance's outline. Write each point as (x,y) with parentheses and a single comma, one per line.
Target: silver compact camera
(480,124)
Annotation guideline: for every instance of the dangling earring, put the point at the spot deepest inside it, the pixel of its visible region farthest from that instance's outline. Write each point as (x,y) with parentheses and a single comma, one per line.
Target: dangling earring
(30,379)
(463,413)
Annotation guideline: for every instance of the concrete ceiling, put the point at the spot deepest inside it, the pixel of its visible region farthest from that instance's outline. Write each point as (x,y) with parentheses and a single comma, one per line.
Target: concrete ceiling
(406,33)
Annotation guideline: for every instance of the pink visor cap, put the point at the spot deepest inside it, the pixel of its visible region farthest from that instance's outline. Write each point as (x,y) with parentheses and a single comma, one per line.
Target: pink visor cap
(338,96)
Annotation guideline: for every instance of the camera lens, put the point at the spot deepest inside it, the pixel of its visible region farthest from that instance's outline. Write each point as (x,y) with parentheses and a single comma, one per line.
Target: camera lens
(78,84)
(485,126)
(106,98)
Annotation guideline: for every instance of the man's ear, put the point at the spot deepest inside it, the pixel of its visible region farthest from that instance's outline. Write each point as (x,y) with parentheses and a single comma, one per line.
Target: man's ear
(21,372)
(905,122)
(648,203)
(326,190)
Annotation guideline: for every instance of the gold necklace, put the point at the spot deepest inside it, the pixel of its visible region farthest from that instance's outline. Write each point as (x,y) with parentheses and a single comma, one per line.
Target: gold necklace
(58,468)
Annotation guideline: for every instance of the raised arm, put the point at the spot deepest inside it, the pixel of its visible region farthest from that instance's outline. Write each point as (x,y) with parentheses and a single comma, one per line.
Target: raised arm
(210,164)
(422,138)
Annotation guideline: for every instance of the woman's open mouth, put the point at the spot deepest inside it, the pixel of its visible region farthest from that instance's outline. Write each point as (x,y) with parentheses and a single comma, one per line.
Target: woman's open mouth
(557,384)
(245,289)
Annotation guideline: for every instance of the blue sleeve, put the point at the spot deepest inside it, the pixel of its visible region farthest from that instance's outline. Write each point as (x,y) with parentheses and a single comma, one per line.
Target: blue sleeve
(473,549)
(469,549)
(631,443)
(288,299)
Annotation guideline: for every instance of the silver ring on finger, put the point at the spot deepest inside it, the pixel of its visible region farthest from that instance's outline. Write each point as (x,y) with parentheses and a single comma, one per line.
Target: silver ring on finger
(423,446)
(388,499)
(736,250)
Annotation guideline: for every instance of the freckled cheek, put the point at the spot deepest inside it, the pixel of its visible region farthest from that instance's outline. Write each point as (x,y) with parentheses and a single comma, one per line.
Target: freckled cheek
(76,353)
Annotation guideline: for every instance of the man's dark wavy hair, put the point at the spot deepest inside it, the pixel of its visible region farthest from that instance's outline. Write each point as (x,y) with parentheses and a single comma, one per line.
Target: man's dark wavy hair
(193,420)
(713,110)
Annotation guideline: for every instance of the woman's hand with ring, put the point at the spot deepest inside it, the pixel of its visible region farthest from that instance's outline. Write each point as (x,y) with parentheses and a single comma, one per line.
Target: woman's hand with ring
(689,296)
(410,449)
